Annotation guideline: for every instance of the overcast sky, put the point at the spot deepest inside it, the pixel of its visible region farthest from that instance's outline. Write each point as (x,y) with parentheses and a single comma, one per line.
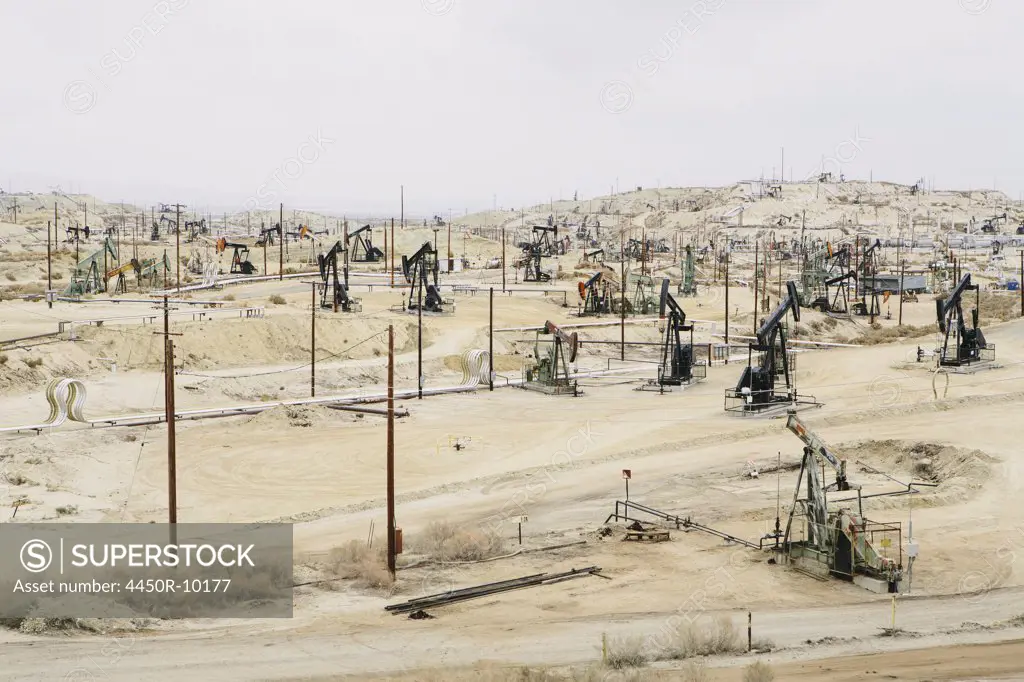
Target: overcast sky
(212,101)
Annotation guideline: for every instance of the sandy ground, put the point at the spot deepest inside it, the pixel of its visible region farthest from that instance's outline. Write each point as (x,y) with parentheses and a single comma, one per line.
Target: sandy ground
(556,459)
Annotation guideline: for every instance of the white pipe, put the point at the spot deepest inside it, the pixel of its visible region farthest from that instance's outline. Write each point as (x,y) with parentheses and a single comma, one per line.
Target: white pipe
(235,410)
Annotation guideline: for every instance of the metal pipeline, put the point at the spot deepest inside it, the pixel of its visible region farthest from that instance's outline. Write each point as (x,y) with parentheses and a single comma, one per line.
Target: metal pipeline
(66,398)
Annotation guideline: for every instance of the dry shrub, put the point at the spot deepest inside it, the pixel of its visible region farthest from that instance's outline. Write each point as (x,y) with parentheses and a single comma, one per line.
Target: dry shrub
(878,335)
(67,510)
(18,479)
(695,671)
(357,561)
(690,641)
(228,297)
(10,277)
(762,644)
(494,673)
(34,362)
(625,652)
(758,671)
(3,358)
(277,299)
(443,541)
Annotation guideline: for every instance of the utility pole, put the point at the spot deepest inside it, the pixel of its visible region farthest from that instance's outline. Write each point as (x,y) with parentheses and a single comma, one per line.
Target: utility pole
(280,260)
(49,273)
(391,451)
(902,267)
(392,255)
(622,303)
(169,417)
(177,247)
(419,340)
(312,344)
(1020,284)
(451,261)
(490,343)
(727,306)
(757,243)
(503,259)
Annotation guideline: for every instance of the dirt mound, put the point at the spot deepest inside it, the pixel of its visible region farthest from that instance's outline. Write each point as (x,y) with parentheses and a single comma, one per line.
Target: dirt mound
(302,416)
(959,472)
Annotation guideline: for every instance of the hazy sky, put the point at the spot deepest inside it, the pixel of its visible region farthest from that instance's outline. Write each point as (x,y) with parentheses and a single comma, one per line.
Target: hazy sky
(212,101)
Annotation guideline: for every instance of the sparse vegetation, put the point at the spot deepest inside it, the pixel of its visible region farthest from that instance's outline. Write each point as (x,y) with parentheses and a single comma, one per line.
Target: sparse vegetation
(879,334)
(34,362)
(690,641)
(758,671)
(277,299)
(19,479)
(626,652)
(695,671)
(359,562)
(67,510)
(10,277)
(3,358)
(443,541)
(762,644)
(229,297)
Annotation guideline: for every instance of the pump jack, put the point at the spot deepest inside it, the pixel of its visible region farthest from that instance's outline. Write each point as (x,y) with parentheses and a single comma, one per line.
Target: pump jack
(837,303)
(338,298)
(835,543)
(266,237)
(530,262)
(596,295)
(756,390)
(240,264)
(419,269)
(363,251)
(552,355)
(75,234)
(968,344)
(677,364)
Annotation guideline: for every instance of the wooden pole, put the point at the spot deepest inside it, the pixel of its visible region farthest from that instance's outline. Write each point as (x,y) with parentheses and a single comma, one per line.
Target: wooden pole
(49,272)
(177,248)
(503,260)
(1020,284)
(900,321)
(622,303)
(280,261)
(757,244)
(172,477)
(491,342)
(312,344)
(727,307)
(419,340)
(391,451)
(392,254)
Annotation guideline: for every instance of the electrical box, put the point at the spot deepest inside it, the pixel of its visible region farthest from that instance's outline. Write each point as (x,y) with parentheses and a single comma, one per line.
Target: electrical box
(912,549)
